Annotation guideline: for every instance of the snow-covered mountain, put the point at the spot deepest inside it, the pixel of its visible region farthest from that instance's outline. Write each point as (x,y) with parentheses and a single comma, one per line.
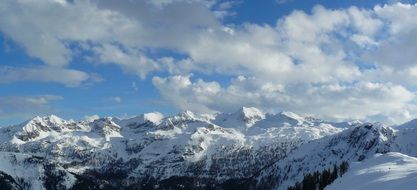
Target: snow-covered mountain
(245,149)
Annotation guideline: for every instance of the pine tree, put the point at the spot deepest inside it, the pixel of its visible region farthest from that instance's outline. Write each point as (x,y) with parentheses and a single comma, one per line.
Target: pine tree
(313,180)
(308,182)
(333,175)
(344,167)
(324,180)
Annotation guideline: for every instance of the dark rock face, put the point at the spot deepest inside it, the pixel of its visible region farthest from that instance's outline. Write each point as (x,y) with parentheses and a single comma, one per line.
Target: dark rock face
(8,183)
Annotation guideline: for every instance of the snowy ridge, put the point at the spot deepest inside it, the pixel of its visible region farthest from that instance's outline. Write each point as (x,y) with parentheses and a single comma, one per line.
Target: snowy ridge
(247,147)
(154,118)
(408,125)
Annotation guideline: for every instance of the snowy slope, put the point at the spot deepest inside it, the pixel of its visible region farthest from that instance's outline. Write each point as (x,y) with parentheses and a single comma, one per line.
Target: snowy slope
(354,144)
(287,126)
(31,172)
(383,172)
(408,125)
(405,141)
(357,143)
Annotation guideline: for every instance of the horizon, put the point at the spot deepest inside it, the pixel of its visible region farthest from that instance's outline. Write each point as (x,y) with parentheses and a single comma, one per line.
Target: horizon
(337,61)
(203,116)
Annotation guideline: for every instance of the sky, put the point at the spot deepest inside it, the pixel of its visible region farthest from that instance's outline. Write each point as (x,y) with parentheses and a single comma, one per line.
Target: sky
(335,60)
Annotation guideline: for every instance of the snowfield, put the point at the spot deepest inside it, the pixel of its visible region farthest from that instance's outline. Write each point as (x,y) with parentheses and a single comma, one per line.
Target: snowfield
(383,172)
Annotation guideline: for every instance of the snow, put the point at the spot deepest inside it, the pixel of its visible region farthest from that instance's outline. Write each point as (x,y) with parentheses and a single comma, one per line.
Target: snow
(406,141)
(288,126)
(409,124)
(154,117)
(242,142)
(182,130)
(18,166)
(352,144)
(242,119)
(14,170)
(292,116)
(252,112)
(383,172)
(210,138)
(346,124)
(55,119)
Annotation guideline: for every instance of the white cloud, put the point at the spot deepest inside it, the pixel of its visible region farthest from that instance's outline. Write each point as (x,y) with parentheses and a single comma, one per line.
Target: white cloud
(198,95)
(91,117)
(366,22)
(321,62)
(283,1)
(115,99)
(363,40)
(135,87)
(131,60)
(399,17)
(68,77)
(47,29)
(332,101)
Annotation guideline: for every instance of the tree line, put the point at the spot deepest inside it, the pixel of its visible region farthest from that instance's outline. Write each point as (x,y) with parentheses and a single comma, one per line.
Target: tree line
(319,180)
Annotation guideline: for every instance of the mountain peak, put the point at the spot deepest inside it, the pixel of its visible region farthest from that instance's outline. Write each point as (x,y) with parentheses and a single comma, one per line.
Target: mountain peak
(244,117)
(186,114)
(251,112)
(106,127)
(153,117)
(292,115)
(50,121)
(54,119)
(250,115)
(46,119)
(39,126)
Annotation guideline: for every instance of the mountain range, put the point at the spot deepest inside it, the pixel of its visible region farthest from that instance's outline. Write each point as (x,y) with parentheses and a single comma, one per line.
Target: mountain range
(246,149)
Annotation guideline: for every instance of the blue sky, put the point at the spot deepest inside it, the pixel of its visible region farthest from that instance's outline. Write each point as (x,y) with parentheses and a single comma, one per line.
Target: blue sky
(267,12)
(335,60)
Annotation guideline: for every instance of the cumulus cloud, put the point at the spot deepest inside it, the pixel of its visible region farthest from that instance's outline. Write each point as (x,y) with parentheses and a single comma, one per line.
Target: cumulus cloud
(331,101)
(320,62)
(131,61)
(344,67)
(116,32)
(130,23)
